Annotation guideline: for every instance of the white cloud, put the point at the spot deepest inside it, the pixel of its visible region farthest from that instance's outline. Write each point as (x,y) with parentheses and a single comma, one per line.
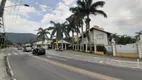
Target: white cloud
(18,23)
(21,10)
(68,2)
(124,17)
(59,14)
(43,8)
(21,25)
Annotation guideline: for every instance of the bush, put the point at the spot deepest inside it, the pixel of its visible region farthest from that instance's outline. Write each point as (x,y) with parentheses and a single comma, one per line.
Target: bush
(101,48)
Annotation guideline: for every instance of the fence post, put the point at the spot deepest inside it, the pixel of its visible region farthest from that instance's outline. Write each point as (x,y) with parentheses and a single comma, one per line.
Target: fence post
(139,49)
(138,63)
(95,49)
(113,48)
(86,47)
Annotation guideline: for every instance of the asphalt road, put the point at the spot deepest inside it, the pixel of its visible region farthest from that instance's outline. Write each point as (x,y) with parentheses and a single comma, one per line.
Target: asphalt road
(29,67)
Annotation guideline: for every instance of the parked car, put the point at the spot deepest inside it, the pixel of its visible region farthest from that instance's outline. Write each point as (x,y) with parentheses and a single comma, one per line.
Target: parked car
(39,50)
(27,48)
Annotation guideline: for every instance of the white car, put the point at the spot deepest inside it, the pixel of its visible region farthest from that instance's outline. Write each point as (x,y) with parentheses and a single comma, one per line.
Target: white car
(27,48)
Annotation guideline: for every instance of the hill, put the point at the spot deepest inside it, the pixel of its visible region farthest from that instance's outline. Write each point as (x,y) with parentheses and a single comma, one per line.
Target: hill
(21,37)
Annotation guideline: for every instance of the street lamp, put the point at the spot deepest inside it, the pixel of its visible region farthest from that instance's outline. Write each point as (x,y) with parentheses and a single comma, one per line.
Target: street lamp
(17,5)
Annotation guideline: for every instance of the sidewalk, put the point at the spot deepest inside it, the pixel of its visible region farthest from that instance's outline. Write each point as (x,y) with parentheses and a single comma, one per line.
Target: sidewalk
(109,60)
(3,73)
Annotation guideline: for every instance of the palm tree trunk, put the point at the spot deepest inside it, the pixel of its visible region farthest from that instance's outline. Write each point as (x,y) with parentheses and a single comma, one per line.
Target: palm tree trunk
(77,42)
(88,26)
(62,44)
(82,37)
(73,40)
(42,43)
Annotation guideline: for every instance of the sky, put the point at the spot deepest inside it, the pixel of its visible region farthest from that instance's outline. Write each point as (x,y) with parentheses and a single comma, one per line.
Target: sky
(124,17)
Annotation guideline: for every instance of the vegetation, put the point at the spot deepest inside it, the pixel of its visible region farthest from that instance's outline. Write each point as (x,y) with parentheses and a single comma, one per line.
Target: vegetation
(123,39)
(101,48)
(42,34)
(85,8)
(58,30)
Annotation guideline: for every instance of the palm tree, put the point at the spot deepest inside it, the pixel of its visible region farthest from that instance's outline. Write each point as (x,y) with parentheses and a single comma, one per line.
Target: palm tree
(58,30)
(85,8)
(42,34)
(72,26)
(78,20)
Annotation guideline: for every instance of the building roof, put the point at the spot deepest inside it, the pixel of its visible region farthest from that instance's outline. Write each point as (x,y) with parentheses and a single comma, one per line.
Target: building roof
(97,30)
(63,41)
(45,42)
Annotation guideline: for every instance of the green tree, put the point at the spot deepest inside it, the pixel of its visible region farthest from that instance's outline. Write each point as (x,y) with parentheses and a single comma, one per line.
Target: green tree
(42,34)
(86,8)
(72,27)
(123,39)
(58,30)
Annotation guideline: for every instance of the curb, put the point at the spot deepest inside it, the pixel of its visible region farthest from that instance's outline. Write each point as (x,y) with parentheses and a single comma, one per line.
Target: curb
(8,68)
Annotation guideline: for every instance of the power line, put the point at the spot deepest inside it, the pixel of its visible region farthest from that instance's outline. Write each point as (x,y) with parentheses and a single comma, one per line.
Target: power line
(18,10)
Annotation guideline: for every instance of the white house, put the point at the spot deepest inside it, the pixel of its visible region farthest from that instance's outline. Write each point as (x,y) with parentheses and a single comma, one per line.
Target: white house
(98,36)
(46,43)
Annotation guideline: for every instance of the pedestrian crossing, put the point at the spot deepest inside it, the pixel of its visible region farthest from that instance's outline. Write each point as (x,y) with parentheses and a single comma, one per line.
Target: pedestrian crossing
(19,53)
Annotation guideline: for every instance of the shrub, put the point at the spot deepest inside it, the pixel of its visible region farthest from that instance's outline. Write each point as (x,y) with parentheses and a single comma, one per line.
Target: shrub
(101,48)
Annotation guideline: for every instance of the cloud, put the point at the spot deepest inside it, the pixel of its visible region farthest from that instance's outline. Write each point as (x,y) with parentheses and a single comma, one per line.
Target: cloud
(43,8)
(59,14)
(21,25)
(18,23)
(68,2)
(21,10)
(124,17)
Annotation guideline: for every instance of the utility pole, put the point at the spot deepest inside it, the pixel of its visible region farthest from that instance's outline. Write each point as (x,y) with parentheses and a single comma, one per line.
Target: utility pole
(2,5)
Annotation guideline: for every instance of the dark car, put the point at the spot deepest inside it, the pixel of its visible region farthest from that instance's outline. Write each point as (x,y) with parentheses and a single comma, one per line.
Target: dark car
(39,51)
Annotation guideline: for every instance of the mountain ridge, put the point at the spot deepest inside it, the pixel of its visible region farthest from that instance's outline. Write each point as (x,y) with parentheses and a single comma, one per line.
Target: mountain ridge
(20,37)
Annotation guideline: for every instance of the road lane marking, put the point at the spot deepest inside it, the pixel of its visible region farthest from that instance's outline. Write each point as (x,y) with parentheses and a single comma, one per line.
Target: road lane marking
(21,53)
(77,55)
(89,73)
(56,58)
(9,54)
(30,54)
(15,54)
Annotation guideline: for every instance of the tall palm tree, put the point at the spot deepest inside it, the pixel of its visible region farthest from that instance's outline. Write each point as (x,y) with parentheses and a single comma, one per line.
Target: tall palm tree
(78,20)
(85,8)
(42,34)
(58,30)
(72,26)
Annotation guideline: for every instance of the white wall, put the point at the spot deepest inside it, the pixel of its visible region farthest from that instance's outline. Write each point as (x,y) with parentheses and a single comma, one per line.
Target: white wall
(129,48)
(98,37)
(101,37)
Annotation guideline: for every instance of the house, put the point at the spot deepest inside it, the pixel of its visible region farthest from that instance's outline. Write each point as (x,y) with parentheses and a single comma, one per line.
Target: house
(46,43)
(97,36)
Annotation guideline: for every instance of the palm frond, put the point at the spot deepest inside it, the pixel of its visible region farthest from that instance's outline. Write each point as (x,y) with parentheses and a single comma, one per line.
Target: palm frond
(99,12)
(97,4)
(51,28)
(53,33)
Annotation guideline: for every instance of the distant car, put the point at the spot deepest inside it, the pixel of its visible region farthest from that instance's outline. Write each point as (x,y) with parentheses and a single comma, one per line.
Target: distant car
(39,50)
(27,48)
(19,48)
